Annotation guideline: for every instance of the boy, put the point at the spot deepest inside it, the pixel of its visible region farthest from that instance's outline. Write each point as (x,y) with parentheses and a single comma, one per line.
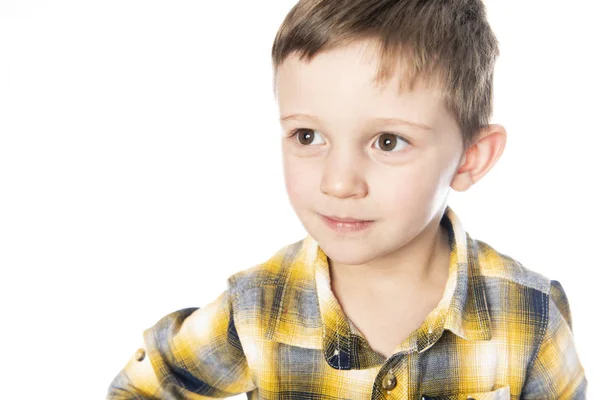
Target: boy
(399,301)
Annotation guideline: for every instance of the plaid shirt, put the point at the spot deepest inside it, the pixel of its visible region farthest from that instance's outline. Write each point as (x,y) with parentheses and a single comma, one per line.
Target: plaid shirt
(500,331)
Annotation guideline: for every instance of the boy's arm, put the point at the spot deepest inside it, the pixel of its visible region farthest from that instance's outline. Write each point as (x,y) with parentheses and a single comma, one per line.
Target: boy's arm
(193,353)
(556,371)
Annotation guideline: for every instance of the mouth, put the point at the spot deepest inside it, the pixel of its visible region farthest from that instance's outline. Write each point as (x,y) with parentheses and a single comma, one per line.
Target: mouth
(344,219)
(346,225)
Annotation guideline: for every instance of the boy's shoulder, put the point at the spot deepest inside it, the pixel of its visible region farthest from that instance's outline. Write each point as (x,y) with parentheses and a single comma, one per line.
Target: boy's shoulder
(507,279)
(264,293)
(495,265)
(274,271)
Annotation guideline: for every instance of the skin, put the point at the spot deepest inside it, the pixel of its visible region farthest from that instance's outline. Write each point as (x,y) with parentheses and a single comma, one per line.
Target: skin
(347,169)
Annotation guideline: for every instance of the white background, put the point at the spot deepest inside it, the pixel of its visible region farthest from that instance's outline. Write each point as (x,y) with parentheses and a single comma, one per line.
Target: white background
(140,167)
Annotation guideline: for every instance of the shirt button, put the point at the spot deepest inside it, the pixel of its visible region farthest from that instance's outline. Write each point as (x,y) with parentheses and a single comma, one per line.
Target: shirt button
(140,354)
(389,381)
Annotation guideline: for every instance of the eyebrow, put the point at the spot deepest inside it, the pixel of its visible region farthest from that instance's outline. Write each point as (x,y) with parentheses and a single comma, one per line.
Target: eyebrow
(384,120)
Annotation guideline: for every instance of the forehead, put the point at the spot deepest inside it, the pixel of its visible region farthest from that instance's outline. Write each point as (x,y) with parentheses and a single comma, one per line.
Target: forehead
(340,82)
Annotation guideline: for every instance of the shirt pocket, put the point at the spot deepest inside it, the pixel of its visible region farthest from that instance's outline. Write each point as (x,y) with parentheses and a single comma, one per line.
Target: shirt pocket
(502,393)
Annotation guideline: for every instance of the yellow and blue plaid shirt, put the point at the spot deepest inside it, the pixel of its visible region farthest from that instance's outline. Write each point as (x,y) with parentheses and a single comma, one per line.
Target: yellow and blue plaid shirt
(500,331)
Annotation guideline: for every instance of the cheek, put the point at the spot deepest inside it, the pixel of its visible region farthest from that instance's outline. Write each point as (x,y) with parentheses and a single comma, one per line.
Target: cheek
(411,190)
(296,181)
(292,187)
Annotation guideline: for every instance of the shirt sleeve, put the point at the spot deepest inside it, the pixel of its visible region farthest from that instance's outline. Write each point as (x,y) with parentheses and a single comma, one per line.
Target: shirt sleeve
(556,371)
(192,353)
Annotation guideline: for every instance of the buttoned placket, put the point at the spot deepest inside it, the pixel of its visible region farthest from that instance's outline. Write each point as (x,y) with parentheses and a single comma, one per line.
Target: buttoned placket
(394,381)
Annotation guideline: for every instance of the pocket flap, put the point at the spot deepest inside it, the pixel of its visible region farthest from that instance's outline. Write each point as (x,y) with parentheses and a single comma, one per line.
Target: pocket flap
(502,393)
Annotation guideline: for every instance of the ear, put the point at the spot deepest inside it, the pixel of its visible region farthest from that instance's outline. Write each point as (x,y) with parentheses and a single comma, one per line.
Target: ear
(480,157)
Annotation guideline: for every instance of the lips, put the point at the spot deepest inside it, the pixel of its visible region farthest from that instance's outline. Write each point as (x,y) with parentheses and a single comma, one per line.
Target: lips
(346,219)
(344,227)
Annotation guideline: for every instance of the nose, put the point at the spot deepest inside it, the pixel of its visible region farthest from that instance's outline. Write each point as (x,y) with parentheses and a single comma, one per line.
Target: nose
(343,175)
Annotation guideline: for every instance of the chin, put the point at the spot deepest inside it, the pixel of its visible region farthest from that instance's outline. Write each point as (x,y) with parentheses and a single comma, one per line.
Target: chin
(345,251)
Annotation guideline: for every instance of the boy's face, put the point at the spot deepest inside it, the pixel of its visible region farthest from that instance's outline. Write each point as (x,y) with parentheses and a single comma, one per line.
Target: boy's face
(352,165)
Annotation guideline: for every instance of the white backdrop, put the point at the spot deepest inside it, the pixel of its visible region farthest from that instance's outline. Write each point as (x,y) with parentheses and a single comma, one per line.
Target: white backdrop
(140,167)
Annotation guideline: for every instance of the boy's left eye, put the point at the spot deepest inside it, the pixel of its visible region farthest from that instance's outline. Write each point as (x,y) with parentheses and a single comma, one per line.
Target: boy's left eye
(386,141)
(389,140)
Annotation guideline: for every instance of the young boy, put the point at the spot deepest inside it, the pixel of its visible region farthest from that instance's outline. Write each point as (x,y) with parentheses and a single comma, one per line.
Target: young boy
(384,106)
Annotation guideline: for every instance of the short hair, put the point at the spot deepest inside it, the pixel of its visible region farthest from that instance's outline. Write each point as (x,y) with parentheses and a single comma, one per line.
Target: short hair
(445,43)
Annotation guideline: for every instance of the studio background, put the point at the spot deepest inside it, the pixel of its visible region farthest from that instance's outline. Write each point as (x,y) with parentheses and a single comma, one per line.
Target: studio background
(140,167)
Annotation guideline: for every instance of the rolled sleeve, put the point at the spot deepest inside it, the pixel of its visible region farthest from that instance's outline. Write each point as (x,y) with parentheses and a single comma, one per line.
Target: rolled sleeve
(192,353)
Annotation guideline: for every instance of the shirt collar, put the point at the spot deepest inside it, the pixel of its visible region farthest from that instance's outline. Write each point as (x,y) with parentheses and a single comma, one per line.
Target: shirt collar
(462,309)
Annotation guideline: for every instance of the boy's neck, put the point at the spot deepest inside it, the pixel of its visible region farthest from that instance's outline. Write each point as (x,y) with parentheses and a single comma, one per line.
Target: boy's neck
(421,264)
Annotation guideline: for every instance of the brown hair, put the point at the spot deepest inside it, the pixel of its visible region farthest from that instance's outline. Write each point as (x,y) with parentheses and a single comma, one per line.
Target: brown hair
(446,43)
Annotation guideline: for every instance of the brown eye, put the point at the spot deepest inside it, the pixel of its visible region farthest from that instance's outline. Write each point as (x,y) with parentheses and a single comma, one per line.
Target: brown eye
(388,141)
(304,136)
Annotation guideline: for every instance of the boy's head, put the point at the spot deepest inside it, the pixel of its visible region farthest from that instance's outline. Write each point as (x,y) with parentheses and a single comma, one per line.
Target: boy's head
(352,63)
